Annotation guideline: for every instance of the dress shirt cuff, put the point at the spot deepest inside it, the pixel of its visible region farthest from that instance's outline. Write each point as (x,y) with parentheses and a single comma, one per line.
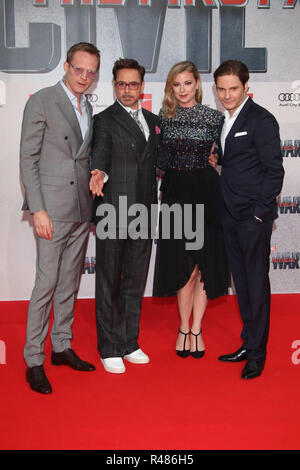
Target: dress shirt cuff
(105,175)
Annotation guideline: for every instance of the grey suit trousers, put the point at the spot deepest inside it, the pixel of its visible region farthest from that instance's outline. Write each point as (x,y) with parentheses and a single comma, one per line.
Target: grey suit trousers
(58,268)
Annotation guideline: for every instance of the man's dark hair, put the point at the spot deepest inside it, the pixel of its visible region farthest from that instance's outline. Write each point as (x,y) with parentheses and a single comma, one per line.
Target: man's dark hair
(232,67)
(128,64)
(84,47)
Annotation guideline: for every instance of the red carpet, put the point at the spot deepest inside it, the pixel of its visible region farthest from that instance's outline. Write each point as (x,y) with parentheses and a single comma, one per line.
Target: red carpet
(171,403)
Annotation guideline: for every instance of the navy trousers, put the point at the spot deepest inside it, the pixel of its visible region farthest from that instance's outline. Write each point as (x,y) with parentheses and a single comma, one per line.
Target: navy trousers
(248,248)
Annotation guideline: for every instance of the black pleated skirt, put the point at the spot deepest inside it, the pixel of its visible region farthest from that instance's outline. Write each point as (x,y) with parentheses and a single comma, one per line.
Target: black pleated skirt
(176,257)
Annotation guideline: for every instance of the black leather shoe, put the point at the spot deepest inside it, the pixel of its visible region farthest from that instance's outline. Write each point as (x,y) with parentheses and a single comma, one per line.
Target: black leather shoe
(238,356)
(69,358)
(37,380)
(253,368)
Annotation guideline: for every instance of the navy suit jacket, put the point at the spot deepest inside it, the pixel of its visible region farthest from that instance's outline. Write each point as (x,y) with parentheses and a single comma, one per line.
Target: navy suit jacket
(252,171)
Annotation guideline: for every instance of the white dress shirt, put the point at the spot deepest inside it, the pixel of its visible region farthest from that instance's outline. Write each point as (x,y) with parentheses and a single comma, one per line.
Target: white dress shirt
(83,117)
(228,123)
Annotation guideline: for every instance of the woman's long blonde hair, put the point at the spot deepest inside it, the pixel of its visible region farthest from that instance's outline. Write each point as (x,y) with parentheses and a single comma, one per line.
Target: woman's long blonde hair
(170,103)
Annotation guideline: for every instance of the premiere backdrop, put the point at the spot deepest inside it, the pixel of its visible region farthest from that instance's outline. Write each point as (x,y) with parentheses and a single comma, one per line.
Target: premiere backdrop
(34,38)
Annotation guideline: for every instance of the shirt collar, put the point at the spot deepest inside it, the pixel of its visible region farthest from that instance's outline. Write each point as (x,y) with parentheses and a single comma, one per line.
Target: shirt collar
(236,112)
(130,109)
(72,97)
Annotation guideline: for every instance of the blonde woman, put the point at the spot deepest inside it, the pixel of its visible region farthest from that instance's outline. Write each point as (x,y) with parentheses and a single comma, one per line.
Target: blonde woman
(189,130)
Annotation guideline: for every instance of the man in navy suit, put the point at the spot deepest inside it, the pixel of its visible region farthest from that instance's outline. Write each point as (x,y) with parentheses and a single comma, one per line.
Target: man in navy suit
(251,178)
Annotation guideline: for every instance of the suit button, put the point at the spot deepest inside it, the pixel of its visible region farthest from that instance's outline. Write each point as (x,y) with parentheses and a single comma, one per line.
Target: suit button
(71,182)
(66,137)
(132,145)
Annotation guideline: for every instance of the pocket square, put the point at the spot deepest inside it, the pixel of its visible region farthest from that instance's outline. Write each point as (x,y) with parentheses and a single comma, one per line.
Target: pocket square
(239,134)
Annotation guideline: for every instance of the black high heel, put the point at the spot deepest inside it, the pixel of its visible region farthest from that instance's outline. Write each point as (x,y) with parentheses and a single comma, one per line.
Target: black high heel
(184,352)
(197,354)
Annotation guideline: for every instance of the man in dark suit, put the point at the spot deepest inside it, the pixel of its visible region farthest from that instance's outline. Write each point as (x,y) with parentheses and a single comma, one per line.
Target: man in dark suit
(251,178)
(55,169)
(127,149)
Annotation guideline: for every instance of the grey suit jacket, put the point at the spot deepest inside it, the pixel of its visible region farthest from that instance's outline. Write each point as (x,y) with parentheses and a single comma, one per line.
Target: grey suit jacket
(54,159)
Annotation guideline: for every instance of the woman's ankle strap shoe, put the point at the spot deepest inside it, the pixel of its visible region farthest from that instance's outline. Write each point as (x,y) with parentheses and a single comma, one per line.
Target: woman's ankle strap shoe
(197,354)
(184,352)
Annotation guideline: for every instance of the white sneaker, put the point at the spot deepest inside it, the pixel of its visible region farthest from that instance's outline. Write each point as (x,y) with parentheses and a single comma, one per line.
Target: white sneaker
(115,365)
(137,357)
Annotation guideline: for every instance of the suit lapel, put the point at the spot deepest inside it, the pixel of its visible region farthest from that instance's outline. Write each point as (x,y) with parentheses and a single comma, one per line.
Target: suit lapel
(219,145)
(127,122)
(150,122)
(88,136)
(67,110)
(152,133)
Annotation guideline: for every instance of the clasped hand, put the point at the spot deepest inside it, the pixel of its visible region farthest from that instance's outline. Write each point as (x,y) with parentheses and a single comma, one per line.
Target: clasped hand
(213,157)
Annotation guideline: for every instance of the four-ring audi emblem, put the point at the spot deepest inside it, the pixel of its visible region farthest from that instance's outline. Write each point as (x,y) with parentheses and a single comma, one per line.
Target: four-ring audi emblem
(91,97)
(289,97)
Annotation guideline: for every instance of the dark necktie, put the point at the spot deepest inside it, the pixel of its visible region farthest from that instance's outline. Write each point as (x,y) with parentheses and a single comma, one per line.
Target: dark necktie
(134,114)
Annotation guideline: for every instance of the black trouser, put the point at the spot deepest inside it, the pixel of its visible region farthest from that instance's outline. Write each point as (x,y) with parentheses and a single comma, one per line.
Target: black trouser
(121,275)
(248,248)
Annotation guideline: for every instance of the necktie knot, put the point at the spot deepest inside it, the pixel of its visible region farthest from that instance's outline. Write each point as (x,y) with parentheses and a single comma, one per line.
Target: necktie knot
(135,116)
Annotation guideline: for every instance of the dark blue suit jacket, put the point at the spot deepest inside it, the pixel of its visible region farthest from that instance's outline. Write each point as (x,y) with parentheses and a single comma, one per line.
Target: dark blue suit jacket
(252,171)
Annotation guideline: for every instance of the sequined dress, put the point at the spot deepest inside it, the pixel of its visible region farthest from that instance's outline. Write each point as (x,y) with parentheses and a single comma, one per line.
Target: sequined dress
(187,139)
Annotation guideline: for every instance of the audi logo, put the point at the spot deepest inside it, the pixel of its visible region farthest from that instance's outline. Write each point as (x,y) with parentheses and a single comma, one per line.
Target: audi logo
(92,97)
(289,97)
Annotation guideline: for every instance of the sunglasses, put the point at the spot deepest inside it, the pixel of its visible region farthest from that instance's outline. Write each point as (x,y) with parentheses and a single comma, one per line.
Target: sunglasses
(131,85)
(91,74)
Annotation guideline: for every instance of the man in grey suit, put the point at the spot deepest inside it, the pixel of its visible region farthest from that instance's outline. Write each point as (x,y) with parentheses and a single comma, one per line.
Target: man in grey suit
(55,170)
